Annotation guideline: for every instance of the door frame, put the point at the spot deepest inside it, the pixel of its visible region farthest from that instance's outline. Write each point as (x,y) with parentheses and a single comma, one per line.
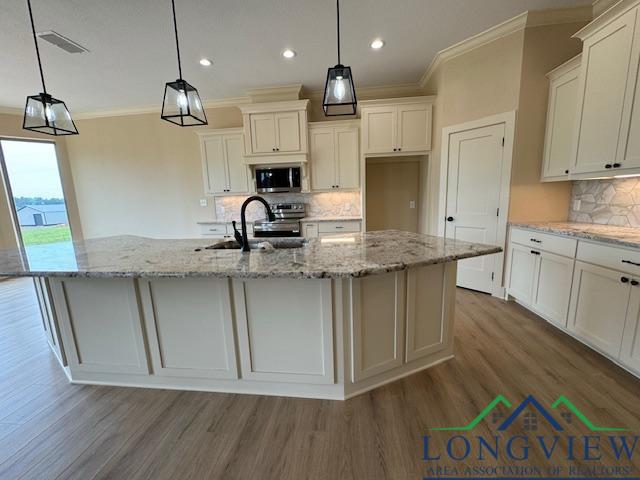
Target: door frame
(509,121)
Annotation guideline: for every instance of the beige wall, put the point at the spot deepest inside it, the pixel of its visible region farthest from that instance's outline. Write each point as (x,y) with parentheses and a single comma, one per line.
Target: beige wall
(11,127)
(479,83)
(545,48)
(391,185)
(140,175)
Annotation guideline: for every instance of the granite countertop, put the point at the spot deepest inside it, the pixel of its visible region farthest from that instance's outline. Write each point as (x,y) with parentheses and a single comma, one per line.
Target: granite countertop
(622,236)
(354,255)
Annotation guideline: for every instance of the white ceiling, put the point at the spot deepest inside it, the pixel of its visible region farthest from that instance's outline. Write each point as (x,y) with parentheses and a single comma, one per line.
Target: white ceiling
(132,51)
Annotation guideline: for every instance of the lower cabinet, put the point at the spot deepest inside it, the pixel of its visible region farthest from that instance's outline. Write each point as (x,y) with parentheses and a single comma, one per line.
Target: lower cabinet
(630,352)
(599,305)
(326,227)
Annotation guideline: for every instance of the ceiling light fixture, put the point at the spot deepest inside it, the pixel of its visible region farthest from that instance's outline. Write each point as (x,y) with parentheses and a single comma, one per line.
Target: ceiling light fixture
(205,62)
(377,44)
(288,53)
(43,113)
(181,104)
(339,90)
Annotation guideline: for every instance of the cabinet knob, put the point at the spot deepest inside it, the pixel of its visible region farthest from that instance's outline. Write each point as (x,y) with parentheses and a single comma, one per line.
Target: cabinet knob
(617,165)
(608,165)
(624,279)
(399,149)
(449,219)
(634,283)
(566,171)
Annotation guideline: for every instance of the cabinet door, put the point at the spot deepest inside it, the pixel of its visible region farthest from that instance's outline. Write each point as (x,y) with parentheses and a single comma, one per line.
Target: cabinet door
(522,266)
(629,147)
(380,128)
(323,161)
(599,301)
(630,353)
(561,124)
(263,133)
(215,165)
(347,158)
(310,230)
(552,287)
(603,93)
(414,127)
(237,174)
(287,132)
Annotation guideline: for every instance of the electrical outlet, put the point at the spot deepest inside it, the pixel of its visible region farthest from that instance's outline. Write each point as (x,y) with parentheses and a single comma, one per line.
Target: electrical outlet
(412,204)
(576,205)
(203,202)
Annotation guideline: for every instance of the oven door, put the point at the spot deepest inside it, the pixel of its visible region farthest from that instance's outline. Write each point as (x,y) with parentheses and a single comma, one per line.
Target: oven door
(273,180)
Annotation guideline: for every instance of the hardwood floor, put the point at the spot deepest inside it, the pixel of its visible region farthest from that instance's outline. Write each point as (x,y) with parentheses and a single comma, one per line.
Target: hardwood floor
(50,429)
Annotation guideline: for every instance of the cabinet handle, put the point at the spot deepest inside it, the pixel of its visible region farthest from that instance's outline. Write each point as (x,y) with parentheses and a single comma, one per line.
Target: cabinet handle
(634,283)
(624,279)
(631,263)
(535,253)
(566,171)
(608,165)
(535,240)
(617,165)
(338,227)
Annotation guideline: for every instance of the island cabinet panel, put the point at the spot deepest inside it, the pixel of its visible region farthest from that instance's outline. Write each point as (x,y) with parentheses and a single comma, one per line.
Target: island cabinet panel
(630,353)
(49,318)
(101,325)
(285,329)
(377,316)
(189,327)
(430,300)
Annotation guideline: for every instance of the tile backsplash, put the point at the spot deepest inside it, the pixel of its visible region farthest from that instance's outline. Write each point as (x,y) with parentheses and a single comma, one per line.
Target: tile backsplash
(606,202)
(327,204)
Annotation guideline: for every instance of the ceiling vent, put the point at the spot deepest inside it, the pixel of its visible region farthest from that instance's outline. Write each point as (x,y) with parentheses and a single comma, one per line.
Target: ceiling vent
(62,42)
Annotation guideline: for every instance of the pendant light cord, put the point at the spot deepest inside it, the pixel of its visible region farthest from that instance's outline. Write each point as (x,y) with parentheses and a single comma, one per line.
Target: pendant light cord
(35,40)
(175,28)
(338,28)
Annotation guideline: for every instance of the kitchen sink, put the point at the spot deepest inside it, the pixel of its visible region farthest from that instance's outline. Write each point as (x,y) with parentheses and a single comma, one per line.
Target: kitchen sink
(255,244)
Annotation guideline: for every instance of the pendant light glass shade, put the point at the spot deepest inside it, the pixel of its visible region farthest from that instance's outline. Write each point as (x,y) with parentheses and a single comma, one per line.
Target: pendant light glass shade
(46,114)
(182,105)
(339,90)
(43,113)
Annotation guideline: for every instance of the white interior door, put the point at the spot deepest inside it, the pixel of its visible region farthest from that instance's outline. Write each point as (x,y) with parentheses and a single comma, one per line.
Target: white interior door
(473,198)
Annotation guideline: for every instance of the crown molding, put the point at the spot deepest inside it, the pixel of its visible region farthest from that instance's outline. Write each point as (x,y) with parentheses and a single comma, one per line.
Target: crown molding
(279,93)
(615,11)
(601,6)
(566,67)
(387,91)
(520,22)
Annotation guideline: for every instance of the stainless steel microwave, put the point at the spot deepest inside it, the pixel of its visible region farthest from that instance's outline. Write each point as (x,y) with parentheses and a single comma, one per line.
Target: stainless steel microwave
(278,179)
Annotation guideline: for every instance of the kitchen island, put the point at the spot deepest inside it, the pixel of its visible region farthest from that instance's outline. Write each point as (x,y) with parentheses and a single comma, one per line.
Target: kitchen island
(324,318)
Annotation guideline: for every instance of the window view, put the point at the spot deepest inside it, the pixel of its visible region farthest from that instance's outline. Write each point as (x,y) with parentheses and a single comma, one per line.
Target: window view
(33,177)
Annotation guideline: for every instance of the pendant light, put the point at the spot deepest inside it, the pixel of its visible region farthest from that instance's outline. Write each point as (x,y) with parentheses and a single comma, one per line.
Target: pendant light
(182,104)
(43,113)
(339,90)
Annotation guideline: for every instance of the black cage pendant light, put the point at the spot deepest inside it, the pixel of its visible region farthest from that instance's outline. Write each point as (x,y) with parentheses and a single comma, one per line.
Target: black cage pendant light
(339,91)
(182,104)
(43,113)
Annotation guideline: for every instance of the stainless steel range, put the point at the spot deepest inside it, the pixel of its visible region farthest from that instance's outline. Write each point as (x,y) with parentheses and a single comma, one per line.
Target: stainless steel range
(286,224)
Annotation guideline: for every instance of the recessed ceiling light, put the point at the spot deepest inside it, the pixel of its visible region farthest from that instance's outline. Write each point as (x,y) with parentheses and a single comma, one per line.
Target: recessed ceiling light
(205,62)
(288,53)
(377,44)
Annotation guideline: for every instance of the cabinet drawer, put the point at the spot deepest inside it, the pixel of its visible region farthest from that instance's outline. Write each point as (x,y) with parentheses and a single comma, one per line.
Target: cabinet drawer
(616,258)
(338,227)
(544,241)
(218,229)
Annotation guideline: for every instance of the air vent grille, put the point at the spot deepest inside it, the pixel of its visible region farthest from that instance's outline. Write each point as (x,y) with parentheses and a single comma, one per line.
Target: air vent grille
(62,42)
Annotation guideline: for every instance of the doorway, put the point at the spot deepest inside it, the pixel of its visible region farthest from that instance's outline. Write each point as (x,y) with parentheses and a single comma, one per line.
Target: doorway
(37,201)
(476,175)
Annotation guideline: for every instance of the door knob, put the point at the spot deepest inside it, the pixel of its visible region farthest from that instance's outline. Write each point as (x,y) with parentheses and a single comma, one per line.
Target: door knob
(449,219)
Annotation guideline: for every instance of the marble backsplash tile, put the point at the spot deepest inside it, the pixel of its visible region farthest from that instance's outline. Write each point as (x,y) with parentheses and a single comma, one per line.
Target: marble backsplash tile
(606,202)
(318,205)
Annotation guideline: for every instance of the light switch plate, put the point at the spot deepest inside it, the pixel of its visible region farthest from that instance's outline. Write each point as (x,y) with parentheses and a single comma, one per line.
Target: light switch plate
(203,202)
(576,205)
(412,204)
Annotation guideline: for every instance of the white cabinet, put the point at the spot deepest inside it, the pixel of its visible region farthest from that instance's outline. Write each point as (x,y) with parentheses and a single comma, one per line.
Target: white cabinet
(552,286)
(561,121)
(325,228)
(275,130)
(335,162)
(608,125)
(49,318)
(223,166)
(396,126)
(599,302)
(630,352)
(522,267)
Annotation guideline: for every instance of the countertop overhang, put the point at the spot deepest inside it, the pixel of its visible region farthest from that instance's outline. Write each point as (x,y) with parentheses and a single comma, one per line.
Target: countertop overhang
(621,236)
(343,256)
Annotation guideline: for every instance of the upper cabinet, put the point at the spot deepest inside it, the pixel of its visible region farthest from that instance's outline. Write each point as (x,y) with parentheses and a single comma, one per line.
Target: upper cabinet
(275,132)
(223,165)
(335,161)
(561,120)
(606,141)
(396,126)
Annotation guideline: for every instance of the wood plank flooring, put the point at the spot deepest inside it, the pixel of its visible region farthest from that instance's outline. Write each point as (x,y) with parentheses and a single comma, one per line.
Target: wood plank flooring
(50,429)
